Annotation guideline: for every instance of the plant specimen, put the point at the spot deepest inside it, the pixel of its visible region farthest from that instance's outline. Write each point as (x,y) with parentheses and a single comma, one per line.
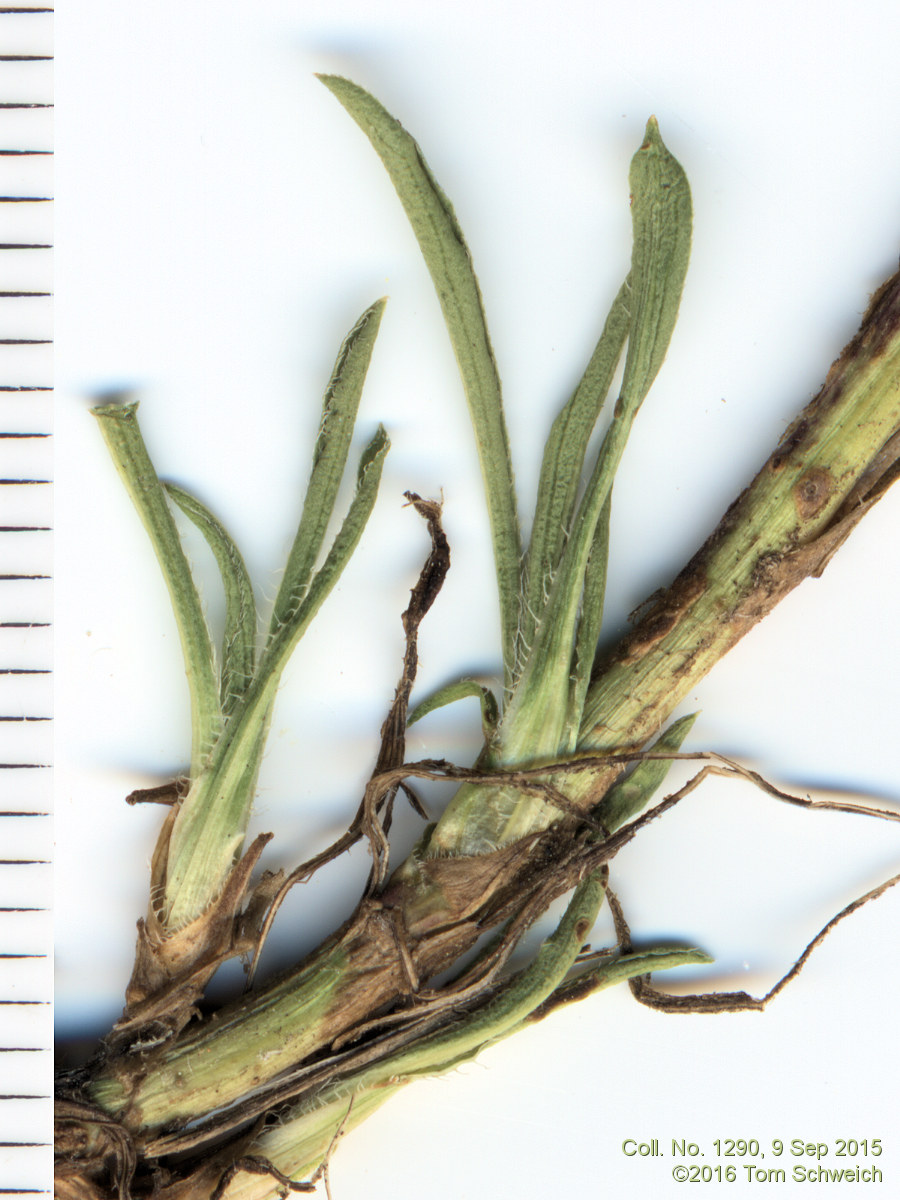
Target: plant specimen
(249,1101)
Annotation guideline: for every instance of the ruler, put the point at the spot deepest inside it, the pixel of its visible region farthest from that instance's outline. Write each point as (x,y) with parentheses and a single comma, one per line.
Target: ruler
(26,1060)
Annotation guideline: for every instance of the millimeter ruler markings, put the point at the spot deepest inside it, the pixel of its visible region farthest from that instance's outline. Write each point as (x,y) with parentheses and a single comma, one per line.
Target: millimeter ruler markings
(26,333)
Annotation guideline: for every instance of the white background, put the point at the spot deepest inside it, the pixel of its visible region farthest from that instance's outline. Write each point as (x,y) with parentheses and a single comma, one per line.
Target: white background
(221,223)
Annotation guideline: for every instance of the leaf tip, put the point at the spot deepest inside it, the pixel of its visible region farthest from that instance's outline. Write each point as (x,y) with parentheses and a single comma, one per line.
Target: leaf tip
(380,443)
(652,136)
(336,83)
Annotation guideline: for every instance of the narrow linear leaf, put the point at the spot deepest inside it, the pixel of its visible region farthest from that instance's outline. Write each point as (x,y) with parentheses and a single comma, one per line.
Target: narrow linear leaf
(459,691)
(210,827)
(589,621)
(619,970)
(661,220)
(630,794)
(519,997)
(367,480)
(563,464)
(527,986)
(301,1139)
(307,1128)
(661,217)
(239,640)
(447,257)
(120,429)
(339,410)
(512,1005)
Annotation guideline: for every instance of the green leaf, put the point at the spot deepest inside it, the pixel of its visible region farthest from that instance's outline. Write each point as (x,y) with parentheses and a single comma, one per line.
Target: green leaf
(447,258)
(459,691)
(239,641)
(210,827)
(306,1130)
(563,464)
(520,996)
(619,970)
(630,795)
(589,621)
(367,480)
(339,411)
(119,425)
(661,217)
(305,1133)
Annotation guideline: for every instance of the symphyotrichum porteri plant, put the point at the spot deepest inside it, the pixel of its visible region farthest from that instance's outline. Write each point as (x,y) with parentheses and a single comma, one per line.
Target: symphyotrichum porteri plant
(250,1099)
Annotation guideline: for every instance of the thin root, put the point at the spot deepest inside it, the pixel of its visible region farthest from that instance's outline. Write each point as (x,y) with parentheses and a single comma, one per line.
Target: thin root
(253,1165)
(384,784)
(716,1002)
(323,1171)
